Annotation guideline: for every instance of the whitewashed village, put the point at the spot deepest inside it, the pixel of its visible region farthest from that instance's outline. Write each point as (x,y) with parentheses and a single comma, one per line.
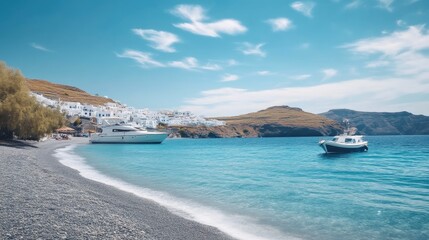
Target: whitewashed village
(140,117)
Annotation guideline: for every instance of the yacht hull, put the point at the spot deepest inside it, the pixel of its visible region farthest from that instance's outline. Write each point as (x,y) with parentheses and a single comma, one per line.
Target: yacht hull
(333,147)
(154,138)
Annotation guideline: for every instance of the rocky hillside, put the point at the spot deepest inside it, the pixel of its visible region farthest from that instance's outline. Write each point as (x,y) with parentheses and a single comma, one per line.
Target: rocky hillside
(280,121)
(382,123)
(65,93)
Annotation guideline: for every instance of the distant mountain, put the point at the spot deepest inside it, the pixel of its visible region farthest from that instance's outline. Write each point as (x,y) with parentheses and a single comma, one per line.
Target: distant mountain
(279,121)
(66,93)
(382,123)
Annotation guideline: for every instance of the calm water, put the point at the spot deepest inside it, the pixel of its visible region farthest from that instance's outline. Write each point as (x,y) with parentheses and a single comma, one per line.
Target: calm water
(276,188)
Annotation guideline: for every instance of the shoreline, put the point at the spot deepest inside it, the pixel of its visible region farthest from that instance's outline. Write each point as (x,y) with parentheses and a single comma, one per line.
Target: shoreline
(42,198)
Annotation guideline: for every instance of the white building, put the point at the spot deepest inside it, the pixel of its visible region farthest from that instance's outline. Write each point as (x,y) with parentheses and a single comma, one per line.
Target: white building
(143,117)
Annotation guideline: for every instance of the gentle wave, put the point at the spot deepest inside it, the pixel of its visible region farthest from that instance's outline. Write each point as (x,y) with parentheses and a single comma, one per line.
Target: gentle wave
(237,226)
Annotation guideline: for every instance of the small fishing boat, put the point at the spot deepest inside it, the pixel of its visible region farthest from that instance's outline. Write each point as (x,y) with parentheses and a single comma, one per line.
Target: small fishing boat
(346,142)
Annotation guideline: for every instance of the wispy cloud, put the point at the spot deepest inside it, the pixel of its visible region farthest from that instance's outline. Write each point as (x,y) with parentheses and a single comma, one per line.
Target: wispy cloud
(377,63)
(280,24)
(197,25)
(305,8)
(377,95)
(405,50)
(386,4)
(229,77)
(252,49)
(301,77)
(40,47)
(191,63)
(353,4)
(329,73)
(264,73)
(401,23)
(414,38)
(144,59)
(232,62)
(160,40)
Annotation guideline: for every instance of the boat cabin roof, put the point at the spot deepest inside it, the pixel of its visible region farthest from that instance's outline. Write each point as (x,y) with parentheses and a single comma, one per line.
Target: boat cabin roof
(348,139)
(120,128)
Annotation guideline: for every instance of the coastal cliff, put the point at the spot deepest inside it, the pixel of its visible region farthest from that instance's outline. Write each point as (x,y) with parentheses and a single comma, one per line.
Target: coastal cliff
(278,121)
(382,123)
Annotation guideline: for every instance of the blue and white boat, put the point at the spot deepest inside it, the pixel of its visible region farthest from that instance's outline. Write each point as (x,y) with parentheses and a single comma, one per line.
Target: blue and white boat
(346,142)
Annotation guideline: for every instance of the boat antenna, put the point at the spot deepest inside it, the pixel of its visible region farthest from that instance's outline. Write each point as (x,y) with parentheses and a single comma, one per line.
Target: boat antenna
(346,123)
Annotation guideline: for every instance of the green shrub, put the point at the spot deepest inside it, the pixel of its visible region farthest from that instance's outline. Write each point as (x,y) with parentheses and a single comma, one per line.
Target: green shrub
(20,114)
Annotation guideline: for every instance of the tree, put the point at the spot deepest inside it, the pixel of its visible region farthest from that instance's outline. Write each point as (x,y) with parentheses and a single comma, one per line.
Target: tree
(20,114)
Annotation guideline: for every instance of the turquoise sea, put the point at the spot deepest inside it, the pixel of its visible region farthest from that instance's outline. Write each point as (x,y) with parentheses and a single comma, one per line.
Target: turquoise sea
(275,188)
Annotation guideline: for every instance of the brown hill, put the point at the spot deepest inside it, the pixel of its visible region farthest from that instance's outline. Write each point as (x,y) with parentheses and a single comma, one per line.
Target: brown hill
(279,121)
(64,93)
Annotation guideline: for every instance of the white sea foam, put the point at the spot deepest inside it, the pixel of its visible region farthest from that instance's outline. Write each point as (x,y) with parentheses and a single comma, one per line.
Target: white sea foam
(237,226)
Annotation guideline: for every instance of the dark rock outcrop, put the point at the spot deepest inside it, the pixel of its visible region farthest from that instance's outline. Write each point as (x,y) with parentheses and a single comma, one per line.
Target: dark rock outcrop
(382,123)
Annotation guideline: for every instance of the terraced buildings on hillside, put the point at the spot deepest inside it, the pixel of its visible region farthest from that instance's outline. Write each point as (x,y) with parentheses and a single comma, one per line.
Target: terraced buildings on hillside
(142,117)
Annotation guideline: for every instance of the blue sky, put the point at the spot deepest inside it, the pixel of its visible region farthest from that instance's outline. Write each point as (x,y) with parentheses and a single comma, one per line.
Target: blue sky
(223,58)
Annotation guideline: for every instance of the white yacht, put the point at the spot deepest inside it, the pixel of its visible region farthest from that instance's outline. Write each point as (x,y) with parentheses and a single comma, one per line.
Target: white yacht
(122,133)
(347,142)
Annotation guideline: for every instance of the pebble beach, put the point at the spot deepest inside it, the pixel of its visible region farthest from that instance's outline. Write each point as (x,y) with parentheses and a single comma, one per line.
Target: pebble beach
(42,199)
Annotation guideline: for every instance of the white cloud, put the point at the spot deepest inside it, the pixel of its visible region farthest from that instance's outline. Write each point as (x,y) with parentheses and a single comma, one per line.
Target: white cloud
(305,8)
(377,63)
(301,77)
(144,59)
(196,15)
(353,4)
(280,24)
(411,63)
(264,73)
(252,49)
(415,38)
(187,63)
(229,77)
(329,73)
(211,67)
(401,23)
(373,94)
(191,63)
(405,50)
(385,4)
(232,62)
(40,47)
(160,40)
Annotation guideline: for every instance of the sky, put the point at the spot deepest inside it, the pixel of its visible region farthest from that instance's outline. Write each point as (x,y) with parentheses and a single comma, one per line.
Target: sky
(227,57)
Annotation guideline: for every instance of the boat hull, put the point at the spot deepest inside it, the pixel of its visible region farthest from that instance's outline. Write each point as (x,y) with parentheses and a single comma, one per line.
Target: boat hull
(137,139)
(333,147)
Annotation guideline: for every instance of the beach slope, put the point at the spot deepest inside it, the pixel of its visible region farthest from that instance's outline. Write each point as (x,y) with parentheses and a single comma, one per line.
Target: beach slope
(40,198)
